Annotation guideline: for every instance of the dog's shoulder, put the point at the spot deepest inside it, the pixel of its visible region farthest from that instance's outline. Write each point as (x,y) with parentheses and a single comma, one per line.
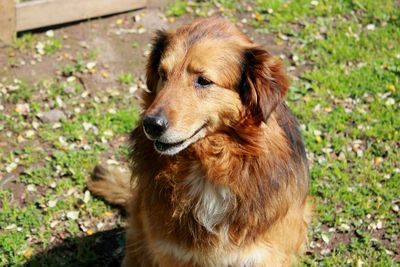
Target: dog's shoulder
(287,121)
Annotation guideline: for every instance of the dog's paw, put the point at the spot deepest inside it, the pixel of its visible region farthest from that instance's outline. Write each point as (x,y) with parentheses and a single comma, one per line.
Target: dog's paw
(100,173)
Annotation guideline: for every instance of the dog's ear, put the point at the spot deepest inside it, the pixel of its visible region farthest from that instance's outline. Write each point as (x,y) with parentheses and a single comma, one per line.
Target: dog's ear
(159,44)
(263,84)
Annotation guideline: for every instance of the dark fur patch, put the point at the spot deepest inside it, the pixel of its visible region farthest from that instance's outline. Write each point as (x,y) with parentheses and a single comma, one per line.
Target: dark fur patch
(160,43)
(290,126)
(244,86)
(263,83)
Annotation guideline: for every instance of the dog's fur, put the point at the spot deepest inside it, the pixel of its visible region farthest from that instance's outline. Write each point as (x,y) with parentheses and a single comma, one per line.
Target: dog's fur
(234,192)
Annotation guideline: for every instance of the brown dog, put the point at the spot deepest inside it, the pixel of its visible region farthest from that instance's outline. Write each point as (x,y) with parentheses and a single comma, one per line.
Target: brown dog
(219,171)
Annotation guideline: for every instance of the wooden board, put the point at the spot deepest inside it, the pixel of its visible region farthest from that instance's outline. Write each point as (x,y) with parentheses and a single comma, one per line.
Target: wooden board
(41,13)
(7,21)
(157,3)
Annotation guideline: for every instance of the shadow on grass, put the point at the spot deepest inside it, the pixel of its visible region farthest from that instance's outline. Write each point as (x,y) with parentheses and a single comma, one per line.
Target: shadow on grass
(100,249)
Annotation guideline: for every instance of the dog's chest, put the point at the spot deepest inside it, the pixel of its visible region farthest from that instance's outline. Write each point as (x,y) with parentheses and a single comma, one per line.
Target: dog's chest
(222,256)
(211,202)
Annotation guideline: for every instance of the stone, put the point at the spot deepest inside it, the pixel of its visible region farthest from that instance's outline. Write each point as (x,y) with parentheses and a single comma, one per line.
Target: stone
(52,116)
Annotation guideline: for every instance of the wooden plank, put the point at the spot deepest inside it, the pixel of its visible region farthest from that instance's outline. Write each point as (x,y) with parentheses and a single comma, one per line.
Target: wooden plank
(158,3)
(41,13)
(7,21)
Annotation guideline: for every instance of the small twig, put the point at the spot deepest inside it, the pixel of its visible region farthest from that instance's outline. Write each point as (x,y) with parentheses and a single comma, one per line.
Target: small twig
(6,180)
(82,82)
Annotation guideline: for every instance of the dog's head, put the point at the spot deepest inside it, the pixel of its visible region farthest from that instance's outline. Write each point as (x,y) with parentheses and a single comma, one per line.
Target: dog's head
(206,76)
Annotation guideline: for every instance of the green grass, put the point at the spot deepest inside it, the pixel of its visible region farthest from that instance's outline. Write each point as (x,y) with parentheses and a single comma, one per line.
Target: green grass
(56,163)
(31,43)
(126,78)
(177,8)
(346,98)
(26,41)
(202,8)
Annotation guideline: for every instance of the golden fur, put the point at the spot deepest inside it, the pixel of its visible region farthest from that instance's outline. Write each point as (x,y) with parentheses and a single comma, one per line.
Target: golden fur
(233,192)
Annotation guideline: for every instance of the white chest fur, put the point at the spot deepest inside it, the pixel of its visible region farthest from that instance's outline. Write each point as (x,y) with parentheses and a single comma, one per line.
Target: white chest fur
(212,202)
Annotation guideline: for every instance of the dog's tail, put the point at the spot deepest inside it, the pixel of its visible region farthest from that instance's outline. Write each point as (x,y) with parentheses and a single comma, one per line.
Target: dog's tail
(113,185)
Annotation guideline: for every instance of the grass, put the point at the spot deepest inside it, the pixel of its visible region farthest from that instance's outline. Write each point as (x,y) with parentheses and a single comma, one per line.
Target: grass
(346,98)
(349,95)
(178,8)
(204,8)
(28,43)
(126,78)
(354,64)
(56,163)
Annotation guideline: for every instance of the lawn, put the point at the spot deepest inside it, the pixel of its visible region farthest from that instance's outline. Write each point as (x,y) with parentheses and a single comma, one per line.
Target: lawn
(68,100)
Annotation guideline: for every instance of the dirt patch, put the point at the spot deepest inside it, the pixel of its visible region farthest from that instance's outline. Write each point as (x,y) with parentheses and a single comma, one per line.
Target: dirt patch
(121,43)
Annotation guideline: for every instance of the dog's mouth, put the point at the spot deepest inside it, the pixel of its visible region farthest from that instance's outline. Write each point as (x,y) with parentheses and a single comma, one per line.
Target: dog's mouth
(175,147)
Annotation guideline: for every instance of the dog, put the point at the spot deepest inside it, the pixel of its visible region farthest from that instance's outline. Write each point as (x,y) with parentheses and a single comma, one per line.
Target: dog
(219,174)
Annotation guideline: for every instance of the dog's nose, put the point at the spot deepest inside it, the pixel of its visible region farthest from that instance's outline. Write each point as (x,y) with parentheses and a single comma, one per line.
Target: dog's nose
(155,125)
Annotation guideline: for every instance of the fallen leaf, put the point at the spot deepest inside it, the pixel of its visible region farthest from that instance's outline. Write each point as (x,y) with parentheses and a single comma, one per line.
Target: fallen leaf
(29,133)
(370,27)
(325,238)
(391,88)
(50,33)
(258,16)
(108,214)
(28,252)
(20,139)
(31,188)
(22,108)
(390,101)
(73,215)
(104,74)
(11,227)
(52,203)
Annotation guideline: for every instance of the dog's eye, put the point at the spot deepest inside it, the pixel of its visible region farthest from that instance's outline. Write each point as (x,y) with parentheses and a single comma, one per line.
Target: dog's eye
(202,82)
